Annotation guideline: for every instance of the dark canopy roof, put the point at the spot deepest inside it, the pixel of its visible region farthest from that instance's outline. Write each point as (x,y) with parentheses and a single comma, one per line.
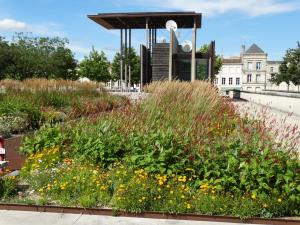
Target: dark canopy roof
(138,20)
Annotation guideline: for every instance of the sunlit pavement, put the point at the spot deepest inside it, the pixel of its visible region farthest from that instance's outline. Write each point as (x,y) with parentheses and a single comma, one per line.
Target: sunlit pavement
(41,218)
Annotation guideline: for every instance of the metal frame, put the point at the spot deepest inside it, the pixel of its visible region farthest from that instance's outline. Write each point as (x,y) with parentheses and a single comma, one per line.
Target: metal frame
(152,215)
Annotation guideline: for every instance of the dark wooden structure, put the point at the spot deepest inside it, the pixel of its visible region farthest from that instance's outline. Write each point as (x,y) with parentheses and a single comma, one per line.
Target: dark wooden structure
(159,61)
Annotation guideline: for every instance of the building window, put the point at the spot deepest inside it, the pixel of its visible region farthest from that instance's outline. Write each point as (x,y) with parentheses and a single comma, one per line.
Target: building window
(258,65)
(271,69)
(230,80)
(249,66)
(216,81)
(223,81)
(257,78)
(249,76)
(237,81)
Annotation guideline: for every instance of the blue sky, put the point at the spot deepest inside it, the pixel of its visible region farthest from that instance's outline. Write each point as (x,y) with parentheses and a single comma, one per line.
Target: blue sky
(272,24)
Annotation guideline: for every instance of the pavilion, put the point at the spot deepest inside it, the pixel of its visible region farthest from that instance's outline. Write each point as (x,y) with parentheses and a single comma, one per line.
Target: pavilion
(159,61)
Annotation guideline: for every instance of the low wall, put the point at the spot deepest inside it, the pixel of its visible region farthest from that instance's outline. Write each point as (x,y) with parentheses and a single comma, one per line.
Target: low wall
(283,101)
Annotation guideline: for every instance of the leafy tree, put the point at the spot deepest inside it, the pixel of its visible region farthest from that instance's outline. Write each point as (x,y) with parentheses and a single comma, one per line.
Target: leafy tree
(28,57)
(5,57)
(289,70)
(95,67)
(135,66)
(202,67)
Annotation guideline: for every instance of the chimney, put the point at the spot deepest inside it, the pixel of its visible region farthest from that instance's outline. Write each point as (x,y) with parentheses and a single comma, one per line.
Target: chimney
(243,49)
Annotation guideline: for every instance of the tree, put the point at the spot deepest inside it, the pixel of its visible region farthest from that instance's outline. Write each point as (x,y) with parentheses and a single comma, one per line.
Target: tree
(28,57)
(5,57)
(202,68)
(289,70)
(135,66)
(95,67)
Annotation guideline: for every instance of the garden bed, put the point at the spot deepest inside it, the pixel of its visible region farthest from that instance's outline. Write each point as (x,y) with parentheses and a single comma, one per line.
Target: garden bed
(28,105)
(182,150)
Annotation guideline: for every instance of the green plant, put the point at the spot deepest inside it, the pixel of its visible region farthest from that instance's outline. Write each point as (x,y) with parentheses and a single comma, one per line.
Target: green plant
(8,187)
(183,149)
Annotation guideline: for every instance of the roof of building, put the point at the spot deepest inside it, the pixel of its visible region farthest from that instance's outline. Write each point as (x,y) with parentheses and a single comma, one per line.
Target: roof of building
(137,20)
(274,62)
(232,61)
(254,49)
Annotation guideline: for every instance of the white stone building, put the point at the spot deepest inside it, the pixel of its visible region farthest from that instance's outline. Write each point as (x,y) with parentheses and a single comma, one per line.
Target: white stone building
(250,71)
(230,75)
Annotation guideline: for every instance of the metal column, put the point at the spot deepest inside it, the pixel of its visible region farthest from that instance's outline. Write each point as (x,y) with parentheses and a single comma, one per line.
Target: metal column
(147,33)
(193,64)
(129,59)
(121,59)
(126,60)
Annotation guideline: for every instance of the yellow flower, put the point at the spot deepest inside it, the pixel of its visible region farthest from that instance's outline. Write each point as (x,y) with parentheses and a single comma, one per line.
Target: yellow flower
(171,192)
(143,198)
(188,206)
(182,196)
(160,182)
(279,200)
(253,196)
(182,178)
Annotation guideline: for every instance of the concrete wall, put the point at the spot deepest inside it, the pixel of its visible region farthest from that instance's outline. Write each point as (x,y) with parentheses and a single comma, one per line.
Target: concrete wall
(288,102)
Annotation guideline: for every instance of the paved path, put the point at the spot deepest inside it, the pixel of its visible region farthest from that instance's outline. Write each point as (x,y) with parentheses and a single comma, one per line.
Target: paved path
(41,218)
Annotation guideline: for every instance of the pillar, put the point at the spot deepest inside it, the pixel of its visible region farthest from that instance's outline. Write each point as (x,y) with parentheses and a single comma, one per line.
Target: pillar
(193,62)
(121,59)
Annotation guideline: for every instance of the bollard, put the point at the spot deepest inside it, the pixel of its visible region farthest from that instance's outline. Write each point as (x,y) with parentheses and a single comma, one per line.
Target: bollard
(2,153)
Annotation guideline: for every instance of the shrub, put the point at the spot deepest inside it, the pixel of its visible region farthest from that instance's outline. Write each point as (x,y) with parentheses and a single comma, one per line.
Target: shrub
(8,187)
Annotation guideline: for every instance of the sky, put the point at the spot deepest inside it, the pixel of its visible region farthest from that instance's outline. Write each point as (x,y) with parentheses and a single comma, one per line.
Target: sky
(271,24)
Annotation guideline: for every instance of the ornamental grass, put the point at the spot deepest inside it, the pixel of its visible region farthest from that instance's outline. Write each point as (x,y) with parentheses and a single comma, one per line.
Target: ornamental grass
(183,149)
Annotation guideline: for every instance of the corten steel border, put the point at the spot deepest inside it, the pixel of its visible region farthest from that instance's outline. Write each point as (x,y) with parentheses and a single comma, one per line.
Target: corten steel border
(150,215)
(16,160)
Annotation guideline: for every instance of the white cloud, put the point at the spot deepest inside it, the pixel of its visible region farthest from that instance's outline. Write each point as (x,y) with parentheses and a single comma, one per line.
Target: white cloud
(79,49)
(10,24)
(46,29)
(251,8)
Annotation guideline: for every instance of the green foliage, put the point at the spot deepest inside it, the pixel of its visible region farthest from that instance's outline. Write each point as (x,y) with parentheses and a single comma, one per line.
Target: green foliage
(289,70)
(135,66)
(95,67)
(183,149)
(46,137)
(202,68)
(8,187)
(24,110)
(27,57)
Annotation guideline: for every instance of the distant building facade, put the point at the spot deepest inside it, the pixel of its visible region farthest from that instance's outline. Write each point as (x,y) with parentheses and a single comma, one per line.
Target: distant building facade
(251,71)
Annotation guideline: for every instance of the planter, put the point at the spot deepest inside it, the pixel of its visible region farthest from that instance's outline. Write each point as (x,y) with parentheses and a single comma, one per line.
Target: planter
(16,160)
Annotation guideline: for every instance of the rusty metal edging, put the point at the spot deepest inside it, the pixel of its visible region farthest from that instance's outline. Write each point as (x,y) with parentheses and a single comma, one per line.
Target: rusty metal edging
(152,215)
